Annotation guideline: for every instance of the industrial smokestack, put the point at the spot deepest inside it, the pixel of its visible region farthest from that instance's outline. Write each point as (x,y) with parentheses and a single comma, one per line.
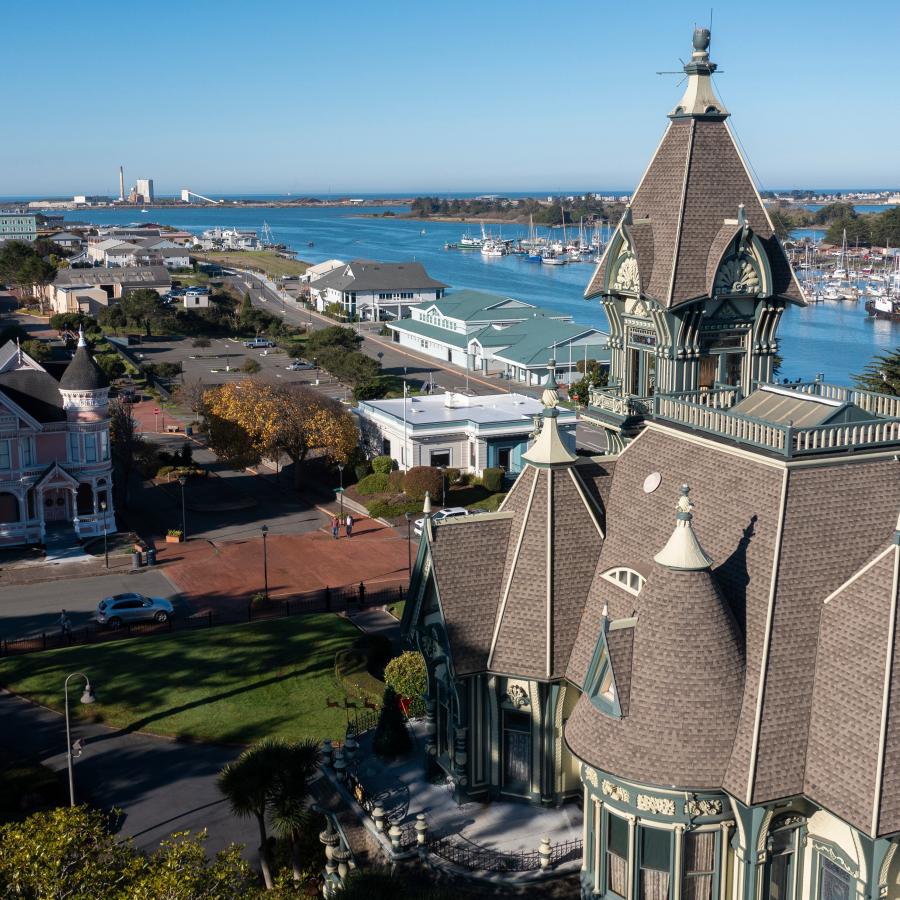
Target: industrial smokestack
(121,183)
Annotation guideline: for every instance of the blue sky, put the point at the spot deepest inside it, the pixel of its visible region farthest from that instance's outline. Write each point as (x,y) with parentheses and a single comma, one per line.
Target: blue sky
(236,96)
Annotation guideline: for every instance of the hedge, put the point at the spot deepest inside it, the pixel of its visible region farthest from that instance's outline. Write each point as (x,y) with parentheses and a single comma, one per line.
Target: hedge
(397,481)
(383,464)
(376,483)
(492,479)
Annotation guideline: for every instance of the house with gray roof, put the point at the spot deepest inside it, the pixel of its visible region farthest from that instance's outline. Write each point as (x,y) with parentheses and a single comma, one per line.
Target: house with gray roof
(87,290)
(703,631)
(372,290)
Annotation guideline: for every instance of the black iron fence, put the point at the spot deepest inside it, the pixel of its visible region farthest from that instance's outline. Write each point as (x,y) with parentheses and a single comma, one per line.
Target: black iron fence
(328,599)
(471,856)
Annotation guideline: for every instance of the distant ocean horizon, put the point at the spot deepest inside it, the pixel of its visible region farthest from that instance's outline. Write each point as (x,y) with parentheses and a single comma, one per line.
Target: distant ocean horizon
(403,195)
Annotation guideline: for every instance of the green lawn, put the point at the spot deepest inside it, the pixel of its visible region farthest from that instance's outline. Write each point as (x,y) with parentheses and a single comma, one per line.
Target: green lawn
(260,260)
(233,683)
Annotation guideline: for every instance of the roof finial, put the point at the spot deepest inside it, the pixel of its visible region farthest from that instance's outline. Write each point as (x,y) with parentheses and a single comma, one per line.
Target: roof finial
(426,506)
(683,550)
(548,447)
(81,341)
(699,99)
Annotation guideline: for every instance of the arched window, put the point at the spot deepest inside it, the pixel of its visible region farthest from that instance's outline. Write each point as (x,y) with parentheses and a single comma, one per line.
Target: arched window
(632,581)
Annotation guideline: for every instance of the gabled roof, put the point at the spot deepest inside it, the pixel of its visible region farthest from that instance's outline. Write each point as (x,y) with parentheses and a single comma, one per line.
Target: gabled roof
(368,275)
(478,305)
(55,472)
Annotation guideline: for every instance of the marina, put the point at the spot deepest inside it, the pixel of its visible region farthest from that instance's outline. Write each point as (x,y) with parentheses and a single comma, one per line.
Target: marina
(833,337)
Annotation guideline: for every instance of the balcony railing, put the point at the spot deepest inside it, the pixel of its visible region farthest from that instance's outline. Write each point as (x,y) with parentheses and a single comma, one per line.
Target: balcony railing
(610,400)
(785,440)
(872,402)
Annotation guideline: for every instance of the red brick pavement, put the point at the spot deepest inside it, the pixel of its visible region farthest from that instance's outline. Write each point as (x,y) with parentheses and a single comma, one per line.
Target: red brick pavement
(222,576)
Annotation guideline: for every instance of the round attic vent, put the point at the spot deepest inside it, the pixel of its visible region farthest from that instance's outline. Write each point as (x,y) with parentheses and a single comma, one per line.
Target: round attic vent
(651,482)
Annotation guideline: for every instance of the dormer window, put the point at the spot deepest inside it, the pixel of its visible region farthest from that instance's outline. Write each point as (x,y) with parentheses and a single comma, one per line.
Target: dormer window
(600,683)
(629,579)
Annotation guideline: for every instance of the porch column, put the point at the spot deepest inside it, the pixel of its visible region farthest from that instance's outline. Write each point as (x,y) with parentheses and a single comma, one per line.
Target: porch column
(39,501)
(94,496)
(75,522)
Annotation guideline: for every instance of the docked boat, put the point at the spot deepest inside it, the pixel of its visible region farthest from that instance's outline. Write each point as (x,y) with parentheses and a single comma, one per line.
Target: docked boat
(883,308)
(493,249)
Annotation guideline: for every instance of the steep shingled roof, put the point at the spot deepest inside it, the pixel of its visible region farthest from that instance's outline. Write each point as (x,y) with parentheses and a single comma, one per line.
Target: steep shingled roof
(689,196)
(83,374)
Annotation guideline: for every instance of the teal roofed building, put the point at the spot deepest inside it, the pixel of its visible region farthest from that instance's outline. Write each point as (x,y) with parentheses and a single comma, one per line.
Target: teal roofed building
(496,335)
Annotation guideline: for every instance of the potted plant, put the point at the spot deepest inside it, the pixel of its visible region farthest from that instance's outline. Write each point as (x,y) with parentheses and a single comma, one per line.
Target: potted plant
(174,536)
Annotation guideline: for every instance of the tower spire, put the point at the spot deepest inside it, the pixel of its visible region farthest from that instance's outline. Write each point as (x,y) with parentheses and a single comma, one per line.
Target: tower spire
(683,550)
(700,100)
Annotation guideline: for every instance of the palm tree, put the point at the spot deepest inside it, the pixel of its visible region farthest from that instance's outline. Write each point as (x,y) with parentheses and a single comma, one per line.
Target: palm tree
(247,783)
(289,797)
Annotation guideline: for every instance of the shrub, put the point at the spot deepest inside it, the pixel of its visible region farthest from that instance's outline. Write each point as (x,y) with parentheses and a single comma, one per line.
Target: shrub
(258,600)
(175,532)
(362,469)
(250,366)
(492,479)
(200,342)
(453,476)
(420,479)
(163,471)
(376,483)
(406,674)
(387,509)
(383,464)
(391,736)
(396,481)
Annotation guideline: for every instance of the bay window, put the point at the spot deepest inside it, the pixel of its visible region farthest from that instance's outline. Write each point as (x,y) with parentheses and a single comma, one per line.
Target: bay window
(90,448)
(656,857)
(699,865)
(616,855)
(74,455)
(834,882)
(26,452)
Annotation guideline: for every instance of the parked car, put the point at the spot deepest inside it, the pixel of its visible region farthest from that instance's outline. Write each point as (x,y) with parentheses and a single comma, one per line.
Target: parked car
(451,512)
(300,365)
(123,609)
(259,344)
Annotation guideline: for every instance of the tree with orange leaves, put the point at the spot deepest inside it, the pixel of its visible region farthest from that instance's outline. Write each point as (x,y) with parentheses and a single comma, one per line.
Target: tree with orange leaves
(254,419)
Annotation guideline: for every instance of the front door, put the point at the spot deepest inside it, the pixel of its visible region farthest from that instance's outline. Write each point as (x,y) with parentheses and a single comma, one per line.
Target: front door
(56,505)
(516,753)
(709,370)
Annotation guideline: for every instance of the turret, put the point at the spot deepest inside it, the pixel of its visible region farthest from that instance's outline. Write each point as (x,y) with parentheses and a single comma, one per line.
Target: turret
(84,387)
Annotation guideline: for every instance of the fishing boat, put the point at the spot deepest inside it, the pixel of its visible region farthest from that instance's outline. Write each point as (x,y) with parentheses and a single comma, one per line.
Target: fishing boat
(552,258)
(467,242)
(493,249)
(883,308)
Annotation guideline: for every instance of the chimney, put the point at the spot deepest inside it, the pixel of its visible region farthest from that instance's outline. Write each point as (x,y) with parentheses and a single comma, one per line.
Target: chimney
(121,184)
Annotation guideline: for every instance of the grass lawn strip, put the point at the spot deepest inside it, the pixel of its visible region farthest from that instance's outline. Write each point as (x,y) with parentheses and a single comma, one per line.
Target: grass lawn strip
(260,260)
(232,684)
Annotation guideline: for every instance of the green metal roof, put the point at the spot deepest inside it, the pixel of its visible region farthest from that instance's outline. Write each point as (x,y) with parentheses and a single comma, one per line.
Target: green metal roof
(474,305)
(432,332)
(531,343)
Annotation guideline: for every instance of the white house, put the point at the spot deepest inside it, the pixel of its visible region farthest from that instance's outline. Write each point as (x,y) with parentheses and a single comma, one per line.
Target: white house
(461,432)
(375,290)
(492,334)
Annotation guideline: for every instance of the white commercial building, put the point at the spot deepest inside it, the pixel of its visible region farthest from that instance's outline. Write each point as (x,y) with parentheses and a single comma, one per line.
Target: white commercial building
(458,431)
(144,189)
(496,335)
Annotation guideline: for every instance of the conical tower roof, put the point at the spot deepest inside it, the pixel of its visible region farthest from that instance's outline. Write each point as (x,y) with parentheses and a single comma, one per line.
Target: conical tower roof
(694,200)
(684,679)
(83,374)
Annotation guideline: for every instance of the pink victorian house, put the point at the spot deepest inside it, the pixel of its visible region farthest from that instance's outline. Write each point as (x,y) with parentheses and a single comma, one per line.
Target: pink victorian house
(55,466)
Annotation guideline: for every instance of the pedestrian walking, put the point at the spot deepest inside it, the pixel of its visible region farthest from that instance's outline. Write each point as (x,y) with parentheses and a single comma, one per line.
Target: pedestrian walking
(335,527)
(348,525)
(65,626)
(362,593)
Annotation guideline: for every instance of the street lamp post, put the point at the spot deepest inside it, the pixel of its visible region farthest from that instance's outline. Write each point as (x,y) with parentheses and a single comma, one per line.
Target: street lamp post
(105,531)
(183,481)
(265,530)
(409,543)
(316,367)
(443,485)
(86,697)
(341,470)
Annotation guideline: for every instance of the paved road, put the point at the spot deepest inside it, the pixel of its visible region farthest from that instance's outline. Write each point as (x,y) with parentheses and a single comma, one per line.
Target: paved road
(160,785)
(32,608)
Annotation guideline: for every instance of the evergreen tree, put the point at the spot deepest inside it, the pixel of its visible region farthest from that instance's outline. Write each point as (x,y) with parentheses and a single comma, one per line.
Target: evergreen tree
(391,736)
